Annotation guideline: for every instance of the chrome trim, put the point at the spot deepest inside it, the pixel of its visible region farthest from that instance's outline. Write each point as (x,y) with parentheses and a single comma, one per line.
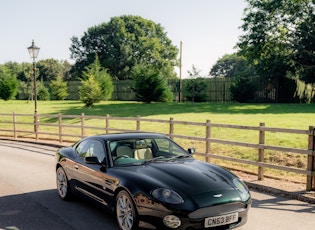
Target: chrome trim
(91,195)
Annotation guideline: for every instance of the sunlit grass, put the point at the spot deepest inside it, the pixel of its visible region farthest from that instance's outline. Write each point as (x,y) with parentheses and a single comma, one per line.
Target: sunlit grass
(293,116)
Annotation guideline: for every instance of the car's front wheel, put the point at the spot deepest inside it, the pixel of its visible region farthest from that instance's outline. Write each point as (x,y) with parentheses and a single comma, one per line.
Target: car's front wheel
(63,184)
(125,211)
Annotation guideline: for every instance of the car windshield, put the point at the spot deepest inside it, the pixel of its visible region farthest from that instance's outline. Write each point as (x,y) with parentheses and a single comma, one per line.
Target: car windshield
(145,150)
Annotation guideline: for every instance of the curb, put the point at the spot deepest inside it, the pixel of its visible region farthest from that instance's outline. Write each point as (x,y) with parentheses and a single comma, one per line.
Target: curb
(308,197)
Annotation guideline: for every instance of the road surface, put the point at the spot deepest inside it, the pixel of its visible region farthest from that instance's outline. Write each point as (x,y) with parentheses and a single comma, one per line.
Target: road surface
(29,200)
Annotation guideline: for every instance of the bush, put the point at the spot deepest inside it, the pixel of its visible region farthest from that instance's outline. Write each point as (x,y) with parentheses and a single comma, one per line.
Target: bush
(151,86)
(243,89)
(8,85)
(195,90)
(90,92)
(59,89)
(101,76)
(42,92)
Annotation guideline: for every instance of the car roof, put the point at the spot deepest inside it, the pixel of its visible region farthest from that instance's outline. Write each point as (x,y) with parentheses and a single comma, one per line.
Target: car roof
(127,135)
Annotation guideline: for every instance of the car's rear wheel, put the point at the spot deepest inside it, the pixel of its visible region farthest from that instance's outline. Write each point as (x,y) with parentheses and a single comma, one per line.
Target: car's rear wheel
(63,184)
(126,214)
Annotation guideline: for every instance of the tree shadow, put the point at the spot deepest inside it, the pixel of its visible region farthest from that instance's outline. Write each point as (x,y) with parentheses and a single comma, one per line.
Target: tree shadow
(145,109)
(282,204)
(45,210)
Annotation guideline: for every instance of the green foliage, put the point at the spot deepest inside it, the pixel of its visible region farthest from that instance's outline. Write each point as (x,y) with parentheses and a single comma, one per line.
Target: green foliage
(8,84)
(150,85)
(102,76)
(46,70)
(305,48)
(231,65)
(123,43)
(42,92)
(59,89)
(25,90)
(195,87)
(90,92)
(96,84)
(278,40)
(49,69)
(243,89)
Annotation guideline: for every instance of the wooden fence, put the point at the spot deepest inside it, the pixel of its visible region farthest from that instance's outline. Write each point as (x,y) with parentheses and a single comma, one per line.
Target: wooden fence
(77,126)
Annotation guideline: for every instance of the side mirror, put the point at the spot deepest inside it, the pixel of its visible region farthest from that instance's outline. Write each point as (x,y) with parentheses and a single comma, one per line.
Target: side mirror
(191,150)
(91,160)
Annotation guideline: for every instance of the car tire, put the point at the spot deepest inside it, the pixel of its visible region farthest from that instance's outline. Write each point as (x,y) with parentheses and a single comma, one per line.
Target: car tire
(63,187)
(125,211)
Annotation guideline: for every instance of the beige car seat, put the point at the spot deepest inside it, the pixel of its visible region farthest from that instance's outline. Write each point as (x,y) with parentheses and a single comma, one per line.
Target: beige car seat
(142,151)
(124,150)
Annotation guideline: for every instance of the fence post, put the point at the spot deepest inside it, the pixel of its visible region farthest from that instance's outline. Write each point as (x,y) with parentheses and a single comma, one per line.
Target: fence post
(138,123)
(171,128)
(82,125)
(60,126)
(261,150)
(14,125)
(36,126)
(107,123)
(208,136)
(310,180)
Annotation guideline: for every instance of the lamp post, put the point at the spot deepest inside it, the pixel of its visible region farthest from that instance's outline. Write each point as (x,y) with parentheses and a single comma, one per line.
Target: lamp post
(33,51)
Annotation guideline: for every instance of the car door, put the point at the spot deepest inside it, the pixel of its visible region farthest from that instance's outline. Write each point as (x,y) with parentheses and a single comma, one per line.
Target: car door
(92,178)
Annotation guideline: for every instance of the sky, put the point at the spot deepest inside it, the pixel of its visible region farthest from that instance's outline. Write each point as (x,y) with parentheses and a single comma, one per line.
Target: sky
(208,29)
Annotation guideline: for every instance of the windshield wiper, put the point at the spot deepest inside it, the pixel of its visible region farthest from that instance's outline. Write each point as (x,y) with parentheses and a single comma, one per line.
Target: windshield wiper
(154,159)
(178,157)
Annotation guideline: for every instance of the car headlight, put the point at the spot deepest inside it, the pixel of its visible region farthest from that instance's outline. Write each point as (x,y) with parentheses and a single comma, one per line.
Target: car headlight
(167,195)
(241,186)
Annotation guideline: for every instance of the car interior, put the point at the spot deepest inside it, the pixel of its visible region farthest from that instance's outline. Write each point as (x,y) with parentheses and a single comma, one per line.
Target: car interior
(137,149)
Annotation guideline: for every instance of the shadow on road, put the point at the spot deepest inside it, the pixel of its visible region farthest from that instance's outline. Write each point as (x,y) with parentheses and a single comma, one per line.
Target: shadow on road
(44,210)
(283,204)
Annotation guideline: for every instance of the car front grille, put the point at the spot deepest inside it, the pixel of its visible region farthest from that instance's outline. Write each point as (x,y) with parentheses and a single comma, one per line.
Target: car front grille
(218,210)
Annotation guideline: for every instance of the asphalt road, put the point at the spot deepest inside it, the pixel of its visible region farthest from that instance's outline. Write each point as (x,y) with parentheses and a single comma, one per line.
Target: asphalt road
(29,200)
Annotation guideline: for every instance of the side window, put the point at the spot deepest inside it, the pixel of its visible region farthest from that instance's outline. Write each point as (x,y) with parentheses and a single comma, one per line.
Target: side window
(82,148)
(168,147)
(97,150)
(91,148)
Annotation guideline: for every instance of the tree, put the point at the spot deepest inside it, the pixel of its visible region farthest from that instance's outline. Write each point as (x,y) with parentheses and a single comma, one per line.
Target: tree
(195,87)
(96,84)
(304,44)
(49,69)
(8,84)
(269,28)
(243,89)
(58,88)
(90,92)
(231,65)
(101,76)
(42,92)
(150,85)
(123,43)
(19,70)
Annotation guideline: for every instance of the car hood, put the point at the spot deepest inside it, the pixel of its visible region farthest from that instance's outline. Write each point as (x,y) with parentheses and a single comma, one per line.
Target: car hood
(189,175)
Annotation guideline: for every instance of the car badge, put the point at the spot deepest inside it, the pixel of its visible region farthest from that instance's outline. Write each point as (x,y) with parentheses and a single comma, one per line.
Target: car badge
(217,195)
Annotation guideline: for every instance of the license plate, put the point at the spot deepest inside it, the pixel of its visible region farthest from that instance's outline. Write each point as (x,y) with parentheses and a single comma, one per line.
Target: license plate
(221,220)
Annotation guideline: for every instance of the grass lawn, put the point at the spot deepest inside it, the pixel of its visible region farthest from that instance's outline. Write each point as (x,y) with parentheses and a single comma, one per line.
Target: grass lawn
(294,116)
(297,116)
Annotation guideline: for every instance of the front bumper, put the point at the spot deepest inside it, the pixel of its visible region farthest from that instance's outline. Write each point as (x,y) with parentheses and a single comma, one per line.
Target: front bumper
(153,219)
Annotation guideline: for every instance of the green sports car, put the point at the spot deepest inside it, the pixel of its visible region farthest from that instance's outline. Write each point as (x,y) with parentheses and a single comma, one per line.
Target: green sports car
(149,181)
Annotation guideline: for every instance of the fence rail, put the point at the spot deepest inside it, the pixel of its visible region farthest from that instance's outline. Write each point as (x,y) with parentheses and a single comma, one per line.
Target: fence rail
(63,126)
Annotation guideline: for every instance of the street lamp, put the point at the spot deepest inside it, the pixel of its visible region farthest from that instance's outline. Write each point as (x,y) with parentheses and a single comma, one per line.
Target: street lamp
(33,51)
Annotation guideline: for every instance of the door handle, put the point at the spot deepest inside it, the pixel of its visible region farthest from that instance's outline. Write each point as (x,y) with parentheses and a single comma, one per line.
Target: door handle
(76,166)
